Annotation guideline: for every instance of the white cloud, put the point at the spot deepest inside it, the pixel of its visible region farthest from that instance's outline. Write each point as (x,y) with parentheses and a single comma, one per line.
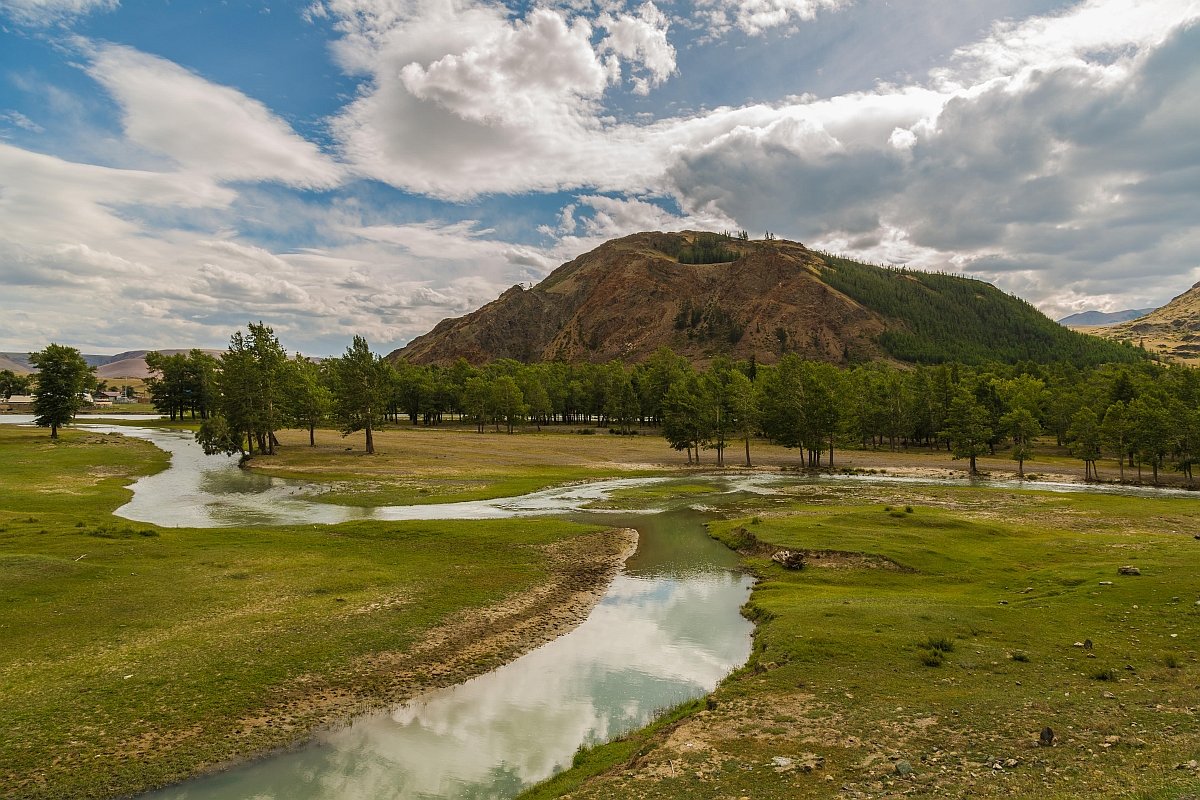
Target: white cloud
(42,13)
(757,16)
(209,129)
(641,39)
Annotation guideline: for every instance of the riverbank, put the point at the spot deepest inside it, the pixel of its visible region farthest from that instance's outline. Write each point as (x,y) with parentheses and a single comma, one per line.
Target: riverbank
(419,465)
(980,617)
(134,656)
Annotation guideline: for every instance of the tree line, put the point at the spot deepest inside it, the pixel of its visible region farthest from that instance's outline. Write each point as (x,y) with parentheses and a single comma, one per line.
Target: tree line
(1144,416)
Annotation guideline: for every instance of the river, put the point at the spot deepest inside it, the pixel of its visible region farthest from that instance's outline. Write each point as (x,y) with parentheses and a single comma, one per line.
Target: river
(667,630)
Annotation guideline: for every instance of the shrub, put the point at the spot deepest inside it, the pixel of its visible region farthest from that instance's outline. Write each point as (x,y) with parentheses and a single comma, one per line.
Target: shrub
(1020,655)
(939,643)
(932,658)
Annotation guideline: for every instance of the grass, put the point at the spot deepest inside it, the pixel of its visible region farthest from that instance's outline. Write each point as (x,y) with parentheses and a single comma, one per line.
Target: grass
(955,662)
(132,655)
(422,465)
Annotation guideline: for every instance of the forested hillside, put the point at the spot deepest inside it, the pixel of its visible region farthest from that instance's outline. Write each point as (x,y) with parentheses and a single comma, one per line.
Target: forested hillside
(940,318)
(707,295)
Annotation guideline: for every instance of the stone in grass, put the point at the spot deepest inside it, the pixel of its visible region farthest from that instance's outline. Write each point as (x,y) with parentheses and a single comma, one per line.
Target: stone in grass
(1128,570)
(789,559)
(1046,738)
(903,768)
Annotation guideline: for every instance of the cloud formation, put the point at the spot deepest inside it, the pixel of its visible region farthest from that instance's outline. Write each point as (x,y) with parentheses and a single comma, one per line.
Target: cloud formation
(205,128)
(1056,155)
(42,13)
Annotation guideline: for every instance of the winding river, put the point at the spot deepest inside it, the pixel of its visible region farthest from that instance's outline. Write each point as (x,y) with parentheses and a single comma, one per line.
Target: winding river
(667,630)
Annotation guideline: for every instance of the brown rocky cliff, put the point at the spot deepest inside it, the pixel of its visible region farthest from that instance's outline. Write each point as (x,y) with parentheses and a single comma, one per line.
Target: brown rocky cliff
(630,297)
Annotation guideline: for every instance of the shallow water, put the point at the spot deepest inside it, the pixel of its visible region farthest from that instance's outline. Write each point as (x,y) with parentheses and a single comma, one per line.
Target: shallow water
(666,631)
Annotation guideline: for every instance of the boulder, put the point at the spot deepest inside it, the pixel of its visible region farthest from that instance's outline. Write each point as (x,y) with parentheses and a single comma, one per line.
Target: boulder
(1128,570)
(789,559)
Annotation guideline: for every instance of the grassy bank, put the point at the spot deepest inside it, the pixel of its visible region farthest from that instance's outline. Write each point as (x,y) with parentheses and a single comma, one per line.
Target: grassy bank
(132,655)
(925,650)
(423,465)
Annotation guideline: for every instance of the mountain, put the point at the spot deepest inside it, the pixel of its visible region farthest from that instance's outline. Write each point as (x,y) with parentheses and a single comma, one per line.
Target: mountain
(1095,319)
(705,295)
(1172,331)
(130,364)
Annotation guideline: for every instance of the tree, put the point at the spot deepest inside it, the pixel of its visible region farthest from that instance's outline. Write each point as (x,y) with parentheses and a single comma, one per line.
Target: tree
(1084,436)
(1023,427)
(509,402)
(743,408)
(11,383)
(63,377)
(968,428)
(360,390)
(1116,433)
(308,398)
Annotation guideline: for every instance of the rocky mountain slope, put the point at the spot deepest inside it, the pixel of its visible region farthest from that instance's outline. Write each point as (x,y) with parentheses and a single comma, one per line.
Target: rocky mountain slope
(1172,331)
(754,299)
(130,364)
(1092,319)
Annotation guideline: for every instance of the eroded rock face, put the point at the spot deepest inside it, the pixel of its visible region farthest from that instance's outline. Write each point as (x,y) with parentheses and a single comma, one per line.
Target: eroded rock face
(630,297)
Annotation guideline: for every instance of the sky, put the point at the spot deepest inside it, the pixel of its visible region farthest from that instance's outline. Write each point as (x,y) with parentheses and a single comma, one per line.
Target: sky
(170,171)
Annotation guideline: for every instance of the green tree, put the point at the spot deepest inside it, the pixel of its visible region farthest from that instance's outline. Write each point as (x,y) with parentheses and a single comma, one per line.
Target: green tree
(1023,427)
(360,383)
(743,408)
(308,398)
(509,403)
(968,428)
(63,376)
(11,383)
(1116,433)
(1084,437)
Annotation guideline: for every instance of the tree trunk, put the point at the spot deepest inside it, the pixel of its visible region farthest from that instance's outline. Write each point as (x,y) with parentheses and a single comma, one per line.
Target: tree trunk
(312,435)
(748,464)
(370,440)
(1021,468)
(973,470)
(53,430)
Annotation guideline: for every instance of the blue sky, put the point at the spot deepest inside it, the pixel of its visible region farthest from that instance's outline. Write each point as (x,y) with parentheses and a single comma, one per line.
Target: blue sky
(170,171)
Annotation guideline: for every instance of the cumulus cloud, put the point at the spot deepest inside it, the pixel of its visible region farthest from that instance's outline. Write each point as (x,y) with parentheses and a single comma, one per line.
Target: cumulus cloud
(1051,163)
(214,130)
(465,99)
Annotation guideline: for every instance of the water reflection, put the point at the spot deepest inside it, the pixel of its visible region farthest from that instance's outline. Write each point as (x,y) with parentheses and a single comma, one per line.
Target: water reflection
(666,631)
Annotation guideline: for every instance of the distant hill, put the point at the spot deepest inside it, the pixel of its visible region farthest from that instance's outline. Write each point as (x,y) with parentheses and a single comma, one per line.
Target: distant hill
(1172,332)
(130,364)
(1093,319)
(705,295)
(13,365)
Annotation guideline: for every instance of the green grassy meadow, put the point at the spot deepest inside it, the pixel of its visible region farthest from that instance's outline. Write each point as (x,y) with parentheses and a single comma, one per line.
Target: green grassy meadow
(949,649)
(132,655)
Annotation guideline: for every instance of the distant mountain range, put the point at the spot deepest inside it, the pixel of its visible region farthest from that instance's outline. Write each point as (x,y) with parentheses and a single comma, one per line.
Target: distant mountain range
(1090,319)
(130,364)
(706,295)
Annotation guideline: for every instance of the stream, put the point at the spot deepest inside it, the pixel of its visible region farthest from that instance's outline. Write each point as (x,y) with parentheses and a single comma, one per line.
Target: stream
(666,631)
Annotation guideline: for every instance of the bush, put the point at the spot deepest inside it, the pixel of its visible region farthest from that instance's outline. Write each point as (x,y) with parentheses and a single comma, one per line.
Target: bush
(932,658)
(1019,655)
(939,643)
